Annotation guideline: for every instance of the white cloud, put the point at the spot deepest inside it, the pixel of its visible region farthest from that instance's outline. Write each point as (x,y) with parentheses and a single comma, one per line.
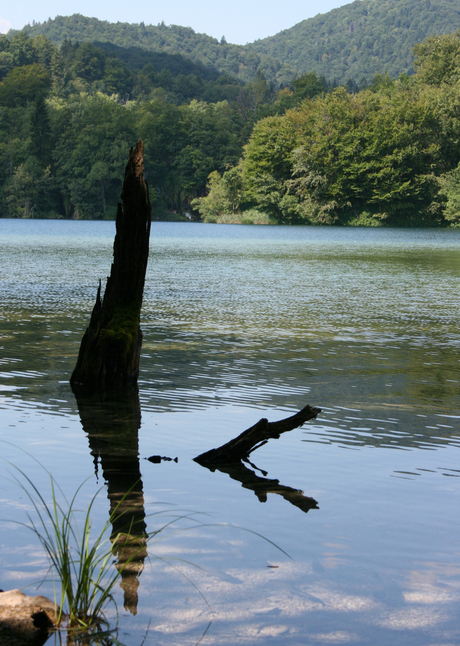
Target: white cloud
(5,25)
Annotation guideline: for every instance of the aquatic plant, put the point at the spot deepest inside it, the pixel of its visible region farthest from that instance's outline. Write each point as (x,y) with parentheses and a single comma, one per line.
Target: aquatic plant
(80,561)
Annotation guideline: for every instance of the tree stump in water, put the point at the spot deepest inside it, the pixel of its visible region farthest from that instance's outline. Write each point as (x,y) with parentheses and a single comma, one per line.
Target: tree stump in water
(108,361)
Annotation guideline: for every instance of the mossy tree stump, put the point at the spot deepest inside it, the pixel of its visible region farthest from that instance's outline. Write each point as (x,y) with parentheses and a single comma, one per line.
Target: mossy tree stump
(108,361)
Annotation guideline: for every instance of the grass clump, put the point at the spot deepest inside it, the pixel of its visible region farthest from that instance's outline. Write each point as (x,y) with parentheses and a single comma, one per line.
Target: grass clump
(82,564)
(79,561)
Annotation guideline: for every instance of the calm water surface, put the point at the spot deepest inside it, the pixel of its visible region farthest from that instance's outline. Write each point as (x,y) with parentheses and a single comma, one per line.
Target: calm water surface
(241,323)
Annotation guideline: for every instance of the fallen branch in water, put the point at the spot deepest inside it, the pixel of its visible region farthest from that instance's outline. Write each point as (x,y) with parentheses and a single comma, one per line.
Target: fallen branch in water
(242,446)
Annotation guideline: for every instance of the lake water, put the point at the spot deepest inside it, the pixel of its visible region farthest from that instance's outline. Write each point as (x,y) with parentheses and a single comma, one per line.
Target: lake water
(241,323)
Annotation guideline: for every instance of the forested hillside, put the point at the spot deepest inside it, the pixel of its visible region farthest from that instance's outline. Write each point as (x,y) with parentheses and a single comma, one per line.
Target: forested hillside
(174,40)
(386,155)
(68,117)
(356,41)
(383,153)
(361,39)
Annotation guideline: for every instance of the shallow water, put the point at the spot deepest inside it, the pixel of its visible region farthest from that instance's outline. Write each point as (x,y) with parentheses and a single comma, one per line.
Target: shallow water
(241,323)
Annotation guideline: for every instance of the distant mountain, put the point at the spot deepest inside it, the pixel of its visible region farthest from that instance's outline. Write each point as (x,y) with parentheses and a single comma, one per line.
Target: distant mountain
(355,41)
(362,38)
(236,60)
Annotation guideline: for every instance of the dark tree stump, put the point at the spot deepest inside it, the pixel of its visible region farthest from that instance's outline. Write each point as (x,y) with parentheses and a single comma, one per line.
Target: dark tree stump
(108,361)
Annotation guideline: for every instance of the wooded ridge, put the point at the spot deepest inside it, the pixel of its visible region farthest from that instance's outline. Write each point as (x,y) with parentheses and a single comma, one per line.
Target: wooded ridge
(355,41)
(385,152)
(361,39)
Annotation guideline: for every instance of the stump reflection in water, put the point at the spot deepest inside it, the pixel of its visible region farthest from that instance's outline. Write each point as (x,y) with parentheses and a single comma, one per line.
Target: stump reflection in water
(113,435)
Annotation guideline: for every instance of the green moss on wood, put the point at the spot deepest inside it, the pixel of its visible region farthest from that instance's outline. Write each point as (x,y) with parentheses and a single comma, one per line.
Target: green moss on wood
(120,334)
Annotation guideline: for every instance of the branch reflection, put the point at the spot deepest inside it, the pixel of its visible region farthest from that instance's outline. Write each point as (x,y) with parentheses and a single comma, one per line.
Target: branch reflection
(262,486)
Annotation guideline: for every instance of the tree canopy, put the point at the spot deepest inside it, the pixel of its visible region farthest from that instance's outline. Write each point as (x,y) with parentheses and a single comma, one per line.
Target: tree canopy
(381,153)
(355,41)
(362,38)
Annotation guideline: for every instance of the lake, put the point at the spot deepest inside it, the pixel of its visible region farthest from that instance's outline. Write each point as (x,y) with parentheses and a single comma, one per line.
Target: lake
(241,323)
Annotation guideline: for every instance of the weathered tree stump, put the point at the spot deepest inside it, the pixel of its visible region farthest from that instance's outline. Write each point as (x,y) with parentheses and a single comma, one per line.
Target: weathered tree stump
(108,361)
(248,441)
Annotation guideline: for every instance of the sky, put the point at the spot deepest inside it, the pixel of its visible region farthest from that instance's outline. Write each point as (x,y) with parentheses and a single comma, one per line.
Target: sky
(240,21)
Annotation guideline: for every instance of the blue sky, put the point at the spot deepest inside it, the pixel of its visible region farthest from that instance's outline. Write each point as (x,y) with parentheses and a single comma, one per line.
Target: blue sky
(240,21)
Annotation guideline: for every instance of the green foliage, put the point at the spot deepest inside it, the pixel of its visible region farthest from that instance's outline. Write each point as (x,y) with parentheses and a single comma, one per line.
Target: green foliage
(22,51)
(117,78)
(342,155)
(251,216)
(203,50)
(85,139)
(361,39)
(450,190)
(217,200)
(82,560)
(6,58)
(28,190)
(24,84)
(91,149)
(41,145)
(307,86)
(383,155)
(88,62)
(81,563)
(254,216)
(355,41)
(377,152)
(437,59)
(224,195)
(267,167)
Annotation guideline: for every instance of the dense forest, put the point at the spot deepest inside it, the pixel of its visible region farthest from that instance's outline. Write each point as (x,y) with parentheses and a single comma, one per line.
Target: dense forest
(361,39)
(384,152)
(355,41)
(138,39)
(387,154)
(68,117)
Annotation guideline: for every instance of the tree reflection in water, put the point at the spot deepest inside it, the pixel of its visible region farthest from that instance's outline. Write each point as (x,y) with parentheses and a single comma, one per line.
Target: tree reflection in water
(112,428)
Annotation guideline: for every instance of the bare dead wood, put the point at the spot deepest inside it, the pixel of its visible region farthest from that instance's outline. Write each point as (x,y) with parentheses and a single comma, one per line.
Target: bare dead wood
(248,441)
(108,361)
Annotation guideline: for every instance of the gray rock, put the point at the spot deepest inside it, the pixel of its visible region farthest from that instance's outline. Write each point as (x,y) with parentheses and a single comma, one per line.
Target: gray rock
(25,621)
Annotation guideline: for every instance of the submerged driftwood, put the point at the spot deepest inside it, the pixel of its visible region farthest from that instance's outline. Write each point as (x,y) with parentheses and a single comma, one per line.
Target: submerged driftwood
(242,446)
(108,361)
(230,457)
